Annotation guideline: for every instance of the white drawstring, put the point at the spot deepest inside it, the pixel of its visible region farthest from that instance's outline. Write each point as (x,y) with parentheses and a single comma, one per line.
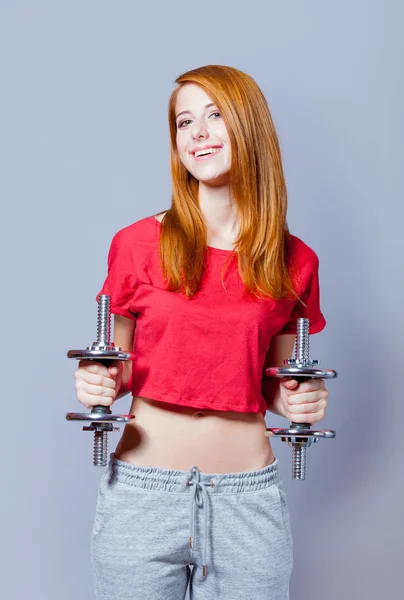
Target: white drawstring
(198,497)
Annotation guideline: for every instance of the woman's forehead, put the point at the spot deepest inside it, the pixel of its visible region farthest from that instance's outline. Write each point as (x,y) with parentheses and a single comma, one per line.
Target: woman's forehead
(191,96)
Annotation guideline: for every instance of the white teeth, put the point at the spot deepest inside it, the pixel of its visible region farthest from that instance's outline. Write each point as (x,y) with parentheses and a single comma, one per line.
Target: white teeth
(206,151)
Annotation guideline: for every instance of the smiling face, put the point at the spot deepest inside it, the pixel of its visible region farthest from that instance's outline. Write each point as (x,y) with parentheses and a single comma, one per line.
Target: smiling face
(200,126)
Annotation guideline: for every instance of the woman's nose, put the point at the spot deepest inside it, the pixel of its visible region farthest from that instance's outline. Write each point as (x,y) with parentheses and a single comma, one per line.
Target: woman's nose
(199,129)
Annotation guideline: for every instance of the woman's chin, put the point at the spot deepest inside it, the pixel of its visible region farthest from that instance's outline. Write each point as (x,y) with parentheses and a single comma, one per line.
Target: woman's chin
(213,181)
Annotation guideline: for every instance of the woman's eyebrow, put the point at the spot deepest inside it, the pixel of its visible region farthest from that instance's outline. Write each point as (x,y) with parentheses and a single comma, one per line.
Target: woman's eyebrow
(187,111)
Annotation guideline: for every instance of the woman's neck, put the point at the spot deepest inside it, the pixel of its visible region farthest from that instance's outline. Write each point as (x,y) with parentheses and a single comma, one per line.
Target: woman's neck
(219,211)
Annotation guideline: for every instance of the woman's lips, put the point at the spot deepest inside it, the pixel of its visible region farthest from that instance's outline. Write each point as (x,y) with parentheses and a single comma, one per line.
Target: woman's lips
(207,156)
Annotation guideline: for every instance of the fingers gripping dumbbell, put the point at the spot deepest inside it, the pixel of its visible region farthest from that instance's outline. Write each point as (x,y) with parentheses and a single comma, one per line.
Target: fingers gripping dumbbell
(301,368)
(104,351)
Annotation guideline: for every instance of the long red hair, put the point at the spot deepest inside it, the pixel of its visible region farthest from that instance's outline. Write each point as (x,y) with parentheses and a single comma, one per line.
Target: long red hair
(257,185)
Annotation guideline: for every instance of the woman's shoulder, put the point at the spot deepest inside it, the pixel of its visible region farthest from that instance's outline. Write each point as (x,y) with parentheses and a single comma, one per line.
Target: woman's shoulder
(160,216)
(303,262)
(142,231)
(300,251)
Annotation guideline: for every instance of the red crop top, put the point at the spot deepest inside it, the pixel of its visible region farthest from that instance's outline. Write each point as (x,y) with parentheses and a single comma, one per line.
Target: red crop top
(208,351)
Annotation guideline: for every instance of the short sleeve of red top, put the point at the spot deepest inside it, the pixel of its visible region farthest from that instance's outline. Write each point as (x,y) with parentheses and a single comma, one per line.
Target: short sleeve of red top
(207,351)
(307,283)
(122,281)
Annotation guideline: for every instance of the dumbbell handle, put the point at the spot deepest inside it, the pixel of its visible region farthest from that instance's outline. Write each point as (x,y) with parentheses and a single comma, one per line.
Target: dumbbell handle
(300,379)
(103,341)
(99,408)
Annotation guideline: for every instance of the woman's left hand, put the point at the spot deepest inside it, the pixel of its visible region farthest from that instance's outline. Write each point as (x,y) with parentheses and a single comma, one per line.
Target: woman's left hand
(303,402)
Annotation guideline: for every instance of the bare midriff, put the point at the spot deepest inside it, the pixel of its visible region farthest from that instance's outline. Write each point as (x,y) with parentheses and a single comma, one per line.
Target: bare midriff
(177,437)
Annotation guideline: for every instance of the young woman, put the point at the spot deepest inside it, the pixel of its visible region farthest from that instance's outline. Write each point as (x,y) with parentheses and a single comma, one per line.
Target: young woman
(207,294)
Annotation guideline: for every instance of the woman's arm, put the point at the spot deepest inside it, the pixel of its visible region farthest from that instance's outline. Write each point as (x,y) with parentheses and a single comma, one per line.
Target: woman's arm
(124,331)
(280,348)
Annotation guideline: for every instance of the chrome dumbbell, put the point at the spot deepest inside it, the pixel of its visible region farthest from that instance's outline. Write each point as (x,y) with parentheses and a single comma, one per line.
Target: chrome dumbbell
(301,368)
(104,351)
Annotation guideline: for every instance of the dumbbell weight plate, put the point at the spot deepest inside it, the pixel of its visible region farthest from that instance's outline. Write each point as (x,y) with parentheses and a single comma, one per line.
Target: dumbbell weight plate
(100,355)
(302,433)
(301,371)
(100,418)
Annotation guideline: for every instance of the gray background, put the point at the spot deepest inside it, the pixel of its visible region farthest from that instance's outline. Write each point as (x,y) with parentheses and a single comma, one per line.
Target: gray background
(85,152)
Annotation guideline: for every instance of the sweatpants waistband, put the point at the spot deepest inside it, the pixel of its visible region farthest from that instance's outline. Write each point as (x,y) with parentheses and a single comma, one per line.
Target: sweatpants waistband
(171,480)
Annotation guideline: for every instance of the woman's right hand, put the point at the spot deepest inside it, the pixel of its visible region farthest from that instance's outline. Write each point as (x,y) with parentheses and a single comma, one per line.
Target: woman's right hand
(97,384)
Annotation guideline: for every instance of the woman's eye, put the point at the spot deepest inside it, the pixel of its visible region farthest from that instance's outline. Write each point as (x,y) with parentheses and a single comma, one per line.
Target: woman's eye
(188,120)
(182,123)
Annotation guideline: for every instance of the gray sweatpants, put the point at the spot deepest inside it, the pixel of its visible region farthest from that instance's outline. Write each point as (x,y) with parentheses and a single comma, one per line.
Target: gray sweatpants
(157,530)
